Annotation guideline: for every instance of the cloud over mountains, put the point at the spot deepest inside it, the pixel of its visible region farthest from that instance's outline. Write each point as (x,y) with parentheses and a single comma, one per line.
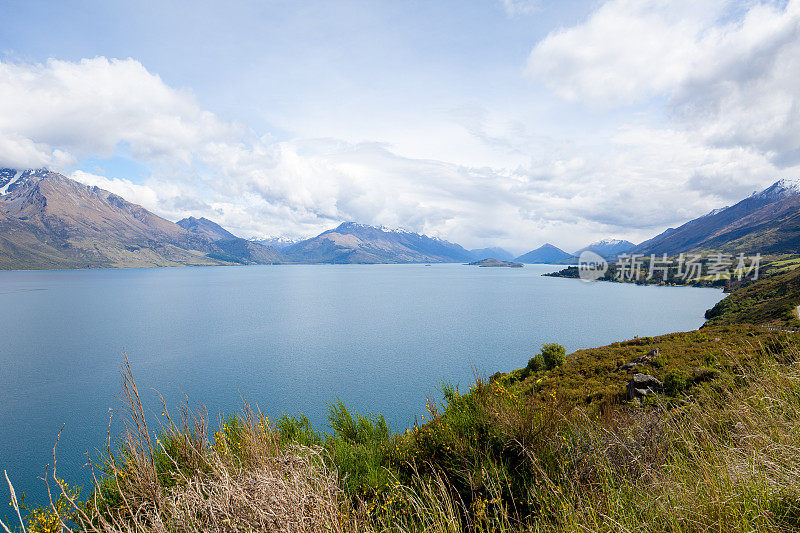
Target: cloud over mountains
(679,108)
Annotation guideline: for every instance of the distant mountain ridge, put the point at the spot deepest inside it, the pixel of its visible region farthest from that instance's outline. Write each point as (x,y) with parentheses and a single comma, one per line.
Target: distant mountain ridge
(545,254)
(607,247)
(765,222)
(351,242)
(232,248)
(495,253)
(203,226)
(279,243)
(48,220)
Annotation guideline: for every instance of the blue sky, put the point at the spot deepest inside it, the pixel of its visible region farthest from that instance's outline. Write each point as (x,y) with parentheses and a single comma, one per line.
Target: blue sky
(508,123)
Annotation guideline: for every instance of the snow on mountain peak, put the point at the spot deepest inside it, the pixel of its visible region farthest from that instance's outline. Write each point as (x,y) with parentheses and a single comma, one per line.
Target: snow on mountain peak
(780,189)
(791,185)
(607,242)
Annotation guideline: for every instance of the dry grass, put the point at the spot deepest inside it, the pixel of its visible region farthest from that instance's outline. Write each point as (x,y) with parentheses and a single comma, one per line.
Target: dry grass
(178,480)
(726,460)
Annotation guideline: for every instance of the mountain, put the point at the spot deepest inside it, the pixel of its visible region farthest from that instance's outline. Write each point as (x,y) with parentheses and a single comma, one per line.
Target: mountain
(206,227)
(766,222)
(496,253)
(546,253)
(279,243)
(358,243)
(232,248)
(50,221)
(607,247)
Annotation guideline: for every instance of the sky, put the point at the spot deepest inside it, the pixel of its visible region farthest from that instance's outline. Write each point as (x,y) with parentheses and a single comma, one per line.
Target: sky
(497,123)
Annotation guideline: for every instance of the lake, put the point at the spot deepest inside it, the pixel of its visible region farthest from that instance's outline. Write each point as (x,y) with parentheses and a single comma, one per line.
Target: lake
(289,338)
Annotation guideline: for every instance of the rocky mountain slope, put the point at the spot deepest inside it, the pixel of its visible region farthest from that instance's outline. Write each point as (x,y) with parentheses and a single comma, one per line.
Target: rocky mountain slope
(203,226)
(231,247)
(766,222)
(50,221)
(358,243)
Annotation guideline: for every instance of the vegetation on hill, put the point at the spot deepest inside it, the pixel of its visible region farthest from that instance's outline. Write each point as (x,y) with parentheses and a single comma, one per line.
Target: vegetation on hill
(772,300)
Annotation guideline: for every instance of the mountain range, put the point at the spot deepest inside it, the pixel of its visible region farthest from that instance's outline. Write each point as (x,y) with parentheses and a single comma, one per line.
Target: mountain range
(279,243)
(50,221)
(550,254)
(608,248)
(231,248)
(351,242)
(765,222)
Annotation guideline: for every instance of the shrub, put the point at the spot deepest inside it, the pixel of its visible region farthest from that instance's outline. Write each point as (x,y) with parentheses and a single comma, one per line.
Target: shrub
(675,382)
(358,449)
(297,430)
(49,519)
(534,364)
(553,355)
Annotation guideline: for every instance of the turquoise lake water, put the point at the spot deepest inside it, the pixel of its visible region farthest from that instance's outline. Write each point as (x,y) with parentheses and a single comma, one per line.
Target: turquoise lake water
(289,338)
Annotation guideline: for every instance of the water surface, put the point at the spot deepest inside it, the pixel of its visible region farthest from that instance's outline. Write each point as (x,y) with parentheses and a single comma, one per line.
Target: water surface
(289,338)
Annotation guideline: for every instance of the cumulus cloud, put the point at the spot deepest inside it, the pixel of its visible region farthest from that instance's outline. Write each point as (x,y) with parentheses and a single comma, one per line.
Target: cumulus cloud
(58,112)
(628,50)
(88,107)
(725,74)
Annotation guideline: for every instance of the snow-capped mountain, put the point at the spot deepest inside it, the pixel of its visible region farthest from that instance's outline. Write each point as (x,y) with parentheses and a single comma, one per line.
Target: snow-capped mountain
(780,189)
(9,177)
(765,221)
(50,221)
(607,247)
(279,243)
(352,242)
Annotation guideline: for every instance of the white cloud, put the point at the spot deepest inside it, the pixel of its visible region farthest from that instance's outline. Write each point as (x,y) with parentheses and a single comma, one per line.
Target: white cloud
(725,75)
(88,107)
(627,51)
(629,183)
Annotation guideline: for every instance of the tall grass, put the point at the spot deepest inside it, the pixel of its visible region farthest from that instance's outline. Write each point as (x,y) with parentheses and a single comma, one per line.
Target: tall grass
(490,459)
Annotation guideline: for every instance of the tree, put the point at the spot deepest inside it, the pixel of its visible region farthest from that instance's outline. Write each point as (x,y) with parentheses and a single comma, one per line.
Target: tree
(553,355)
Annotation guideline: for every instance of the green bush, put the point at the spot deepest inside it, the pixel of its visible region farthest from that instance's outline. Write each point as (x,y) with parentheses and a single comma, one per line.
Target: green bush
(359,449)
(535,364)
(675,382)
(553,355)
(297,429)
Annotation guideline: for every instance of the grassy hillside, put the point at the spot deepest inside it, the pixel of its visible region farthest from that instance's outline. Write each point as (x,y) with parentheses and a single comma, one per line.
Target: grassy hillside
(556,445)
(772,300)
